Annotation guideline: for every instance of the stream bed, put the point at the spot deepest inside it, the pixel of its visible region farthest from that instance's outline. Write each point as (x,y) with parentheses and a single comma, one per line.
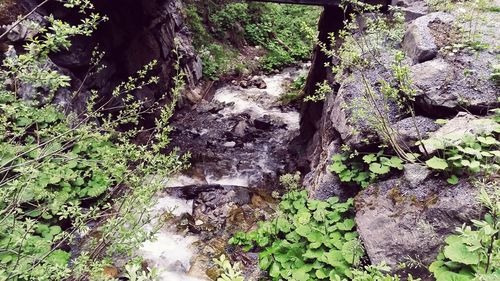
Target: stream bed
(239,147)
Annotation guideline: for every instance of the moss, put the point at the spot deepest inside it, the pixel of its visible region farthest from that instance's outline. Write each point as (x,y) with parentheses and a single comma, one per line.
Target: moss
(395,195)
(9,11)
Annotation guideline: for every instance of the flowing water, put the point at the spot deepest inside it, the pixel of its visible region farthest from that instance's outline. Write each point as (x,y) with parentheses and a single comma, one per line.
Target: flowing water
(239,141)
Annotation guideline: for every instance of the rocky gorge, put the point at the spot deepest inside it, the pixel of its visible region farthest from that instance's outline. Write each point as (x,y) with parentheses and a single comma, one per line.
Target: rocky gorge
(241,138)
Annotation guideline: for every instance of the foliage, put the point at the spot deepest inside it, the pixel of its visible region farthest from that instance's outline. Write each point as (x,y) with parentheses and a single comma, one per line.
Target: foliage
(322,89)
(363,169)
(217,60)
(295,90)
(230,272)
(307,240)
(495,74)
(283,31)
(60,175)
(135,272)
(472,156)
(377,273)
(474,252)
(364,57)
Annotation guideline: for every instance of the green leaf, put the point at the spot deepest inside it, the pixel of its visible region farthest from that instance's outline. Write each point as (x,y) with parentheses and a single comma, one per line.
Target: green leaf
(265,261)
(352,251)
(369,158)
(379,169)
(321,273)
(346,225)
(337,167)
(275,269)
(487,140)
(59,257)
(453,180)
(457,251)
(300,274)
(437,163)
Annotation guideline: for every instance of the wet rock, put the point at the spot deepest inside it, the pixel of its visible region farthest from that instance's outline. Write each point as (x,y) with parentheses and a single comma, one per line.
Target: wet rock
(453,132)
(397,222)
(418,42)
(411,129)
(244,84)
(230,144)
(415,174)
(443,86)
(471,84)
(258,82)
(240,129)
(263,123)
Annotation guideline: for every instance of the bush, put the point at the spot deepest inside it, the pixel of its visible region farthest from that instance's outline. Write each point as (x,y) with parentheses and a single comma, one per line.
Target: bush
(307,240)
(60,174)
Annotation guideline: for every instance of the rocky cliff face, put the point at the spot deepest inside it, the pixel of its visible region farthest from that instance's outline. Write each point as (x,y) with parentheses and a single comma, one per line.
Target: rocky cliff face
(406,216)
(137,33)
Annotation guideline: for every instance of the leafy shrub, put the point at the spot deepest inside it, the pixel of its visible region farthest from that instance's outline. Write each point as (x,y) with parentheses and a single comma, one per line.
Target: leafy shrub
(363,169)
(295,90)
(377,273)
(231,14)
(230,272)
(216,60)
(307,240)
(474,252)
(472,156)
(284,31)
(59,174)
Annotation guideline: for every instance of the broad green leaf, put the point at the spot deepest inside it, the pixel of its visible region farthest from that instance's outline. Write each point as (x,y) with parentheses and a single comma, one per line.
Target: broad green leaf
(453,180)
(337,167)
(352,251)
(346,225)
(300,274)
(457,251)
(437,163)
(379,169)
(369,158)
(487,140)
(321,273)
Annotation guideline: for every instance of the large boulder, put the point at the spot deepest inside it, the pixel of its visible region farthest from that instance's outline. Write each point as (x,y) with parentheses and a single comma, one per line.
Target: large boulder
(455,129)
(398,223)
(410,129)
(419,42)
(355,116)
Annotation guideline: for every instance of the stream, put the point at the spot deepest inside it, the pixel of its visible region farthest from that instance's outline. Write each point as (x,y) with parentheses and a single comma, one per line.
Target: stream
(239,147)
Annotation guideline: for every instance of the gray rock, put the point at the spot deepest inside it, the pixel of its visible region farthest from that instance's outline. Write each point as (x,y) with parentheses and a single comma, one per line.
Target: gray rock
(321,184)
(445,85)
(353,117)
(397,223)
(453,132)
(244,84)
(258,82)
(430,79)
(263,123)
(412,8)
(418,42)
(411,129)
(415,174)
